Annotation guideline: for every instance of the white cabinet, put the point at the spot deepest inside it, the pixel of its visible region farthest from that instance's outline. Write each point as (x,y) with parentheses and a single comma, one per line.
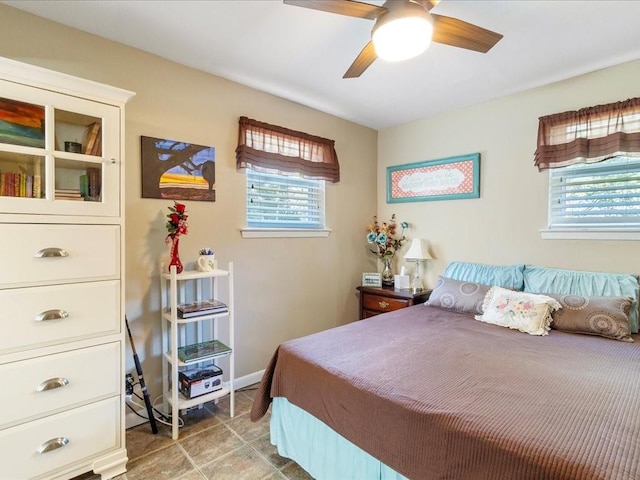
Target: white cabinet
(196,343)
(62,281)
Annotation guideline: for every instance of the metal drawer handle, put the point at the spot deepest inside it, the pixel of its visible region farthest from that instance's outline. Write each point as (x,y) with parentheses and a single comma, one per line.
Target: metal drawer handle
(51,252)
(383,304)
(51,315)
(52,383)
(53,444)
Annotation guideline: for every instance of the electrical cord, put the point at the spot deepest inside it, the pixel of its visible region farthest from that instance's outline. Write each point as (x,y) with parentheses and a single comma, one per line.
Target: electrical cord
(164,419)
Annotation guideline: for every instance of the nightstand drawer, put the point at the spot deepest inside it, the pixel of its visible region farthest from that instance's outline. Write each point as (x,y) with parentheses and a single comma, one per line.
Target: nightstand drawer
(54,382)
(63,439)
(377,300)
(59,313)
(46,254)
(383,304)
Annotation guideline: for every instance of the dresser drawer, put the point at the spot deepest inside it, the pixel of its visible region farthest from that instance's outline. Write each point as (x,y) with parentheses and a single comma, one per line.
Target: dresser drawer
(88,430)
(58,313)
(44,254)
(381,304)
(40,385)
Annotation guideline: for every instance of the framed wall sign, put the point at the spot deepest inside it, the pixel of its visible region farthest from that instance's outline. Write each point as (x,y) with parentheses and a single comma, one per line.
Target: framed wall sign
(445,179)
(371,279)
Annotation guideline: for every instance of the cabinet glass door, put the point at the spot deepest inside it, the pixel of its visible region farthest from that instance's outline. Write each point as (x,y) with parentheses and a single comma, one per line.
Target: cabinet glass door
(58,154)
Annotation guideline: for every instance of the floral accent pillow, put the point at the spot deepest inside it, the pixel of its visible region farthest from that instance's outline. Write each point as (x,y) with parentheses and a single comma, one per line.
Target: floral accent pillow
(603,316)
(459,296)
(526,312)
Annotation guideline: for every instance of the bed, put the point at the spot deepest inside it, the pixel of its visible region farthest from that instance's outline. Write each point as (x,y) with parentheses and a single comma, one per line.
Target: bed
(430,392)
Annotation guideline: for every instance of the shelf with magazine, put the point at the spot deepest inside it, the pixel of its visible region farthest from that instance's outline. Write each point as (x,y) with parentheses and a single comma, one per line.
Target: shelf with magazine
(197,339)
(58,160)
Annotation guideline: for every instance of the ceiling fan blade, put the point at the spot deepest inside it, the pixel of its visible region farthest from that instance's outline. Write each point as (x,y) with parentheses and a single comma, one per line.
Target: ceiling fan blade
(342,7)
(428,4)
(365,58)
(457,33)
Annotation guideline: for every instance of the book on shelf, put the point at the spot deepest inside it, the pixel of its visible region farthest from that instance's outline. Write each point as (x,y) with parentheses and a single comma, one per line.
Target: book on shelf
(212,348)
(91,138)
(19,185)
(204,307)
(67,194)
(97,146)
(94,183)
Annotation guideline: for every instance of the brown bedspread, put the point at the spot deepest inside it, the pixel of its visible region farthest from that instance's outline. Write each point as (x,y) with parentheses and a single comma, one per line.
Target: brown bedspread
(437,395)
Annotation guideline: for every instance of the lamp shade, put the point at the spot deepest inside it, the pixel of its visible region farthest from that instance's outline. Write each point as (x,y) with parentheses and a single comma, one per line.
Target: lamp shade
(417,250)
(403,32)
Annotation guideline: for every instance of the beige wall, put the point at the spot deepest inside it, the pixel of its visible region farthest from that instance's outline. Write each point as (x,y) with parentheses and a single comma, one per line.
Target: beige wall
(502,226)
(284,288)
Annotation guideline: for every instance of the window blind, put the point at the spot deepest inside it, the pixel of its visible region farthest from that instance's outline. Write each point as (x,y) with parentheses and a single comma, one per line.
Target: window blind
(596,195)
(279,201)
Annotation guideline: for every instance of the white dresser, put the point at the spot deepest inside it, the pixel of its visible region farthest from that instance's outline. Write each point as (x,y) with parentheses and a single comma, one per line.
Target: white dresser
(61,275)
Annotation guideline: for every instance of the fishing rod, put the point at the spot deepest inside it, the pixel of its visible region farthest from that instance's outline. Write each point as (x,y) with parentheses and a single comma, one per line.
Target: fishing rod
(143,385)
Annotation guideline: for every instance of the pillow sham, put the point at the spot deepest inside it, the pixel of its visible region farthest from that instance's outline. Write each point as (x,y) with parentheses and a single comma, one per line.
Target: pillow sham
(462,297)
(521,311)
(574,282)
(604,316)
(510,276)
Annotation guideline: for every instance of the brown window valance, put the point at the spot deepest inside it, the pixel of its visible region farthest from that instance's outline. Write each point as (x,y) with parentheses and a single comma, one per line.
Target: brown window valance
(589,135)
(286,151)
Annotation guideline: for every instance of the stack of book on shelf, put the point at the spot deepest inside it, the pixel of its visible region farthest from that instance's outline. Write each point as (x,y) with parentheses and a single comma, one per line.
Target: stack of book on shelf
(204,307)
(212,348)
(68,194)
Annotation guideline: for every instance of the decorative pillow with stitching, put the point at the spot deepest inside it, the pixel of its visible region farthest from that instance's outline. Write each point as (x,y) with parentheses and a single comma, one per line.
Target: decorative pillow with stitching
(527,312)
(463,297)
(604,316)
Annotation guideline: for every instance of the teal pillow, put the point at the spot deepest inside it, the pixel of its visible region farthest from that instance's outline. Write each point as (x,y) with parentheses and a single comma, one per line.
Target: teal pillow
(591,284)
(502,276)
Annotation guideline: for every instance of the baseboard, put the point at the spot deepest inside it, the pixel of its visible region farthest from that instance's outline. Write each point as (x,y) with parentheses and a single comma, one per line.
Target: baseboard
(248,380)
(133,420)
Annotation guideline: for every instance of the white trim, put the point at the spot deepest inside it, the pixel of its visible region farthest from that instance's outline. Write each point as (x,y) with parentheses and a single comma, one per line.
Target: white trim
(33,75)
(133,420)
(247,380)
(576,234)
(283,232)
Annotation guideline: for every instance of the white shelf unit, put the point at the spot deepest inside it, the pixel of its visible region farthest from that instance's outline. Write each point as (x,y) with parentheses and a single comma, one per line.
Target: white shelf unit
(190,286)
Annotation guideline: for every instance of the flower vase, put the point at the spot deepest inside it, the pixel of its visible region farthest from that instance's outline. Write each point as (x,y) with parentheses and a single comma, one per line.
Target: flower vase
(387,273)
(175,256)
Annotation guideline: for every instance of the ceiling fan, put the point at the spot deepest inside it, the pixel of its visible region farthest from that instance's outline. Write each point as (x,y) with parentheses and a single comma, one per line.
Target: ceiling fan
(404,29)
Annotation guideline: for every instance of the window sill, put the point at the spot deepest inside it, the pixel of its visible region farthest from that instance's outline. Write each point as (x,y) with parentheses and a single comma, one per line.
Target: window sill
(283,233)
(575,234)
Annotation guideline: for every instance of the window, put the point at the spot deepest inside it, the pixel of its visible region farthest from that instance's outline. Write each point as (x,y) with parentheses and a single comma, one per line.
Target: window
(286,172)
(596,196)
(281,201)
(593,157)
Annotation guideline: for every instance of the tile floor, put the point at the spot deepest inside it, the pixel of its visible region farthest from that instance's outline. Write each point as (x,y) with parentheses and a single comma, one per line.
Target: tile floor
(211,446)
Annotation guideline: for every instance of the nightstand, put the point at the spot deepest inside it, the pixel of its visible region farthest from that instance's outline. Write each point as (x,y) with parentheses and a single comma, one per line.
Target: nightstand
(376,300)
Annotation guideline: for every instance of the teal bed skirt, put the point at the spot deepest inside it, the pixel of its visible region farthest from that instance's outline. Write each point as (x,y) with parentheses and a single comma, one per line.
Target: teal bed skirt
(323,453)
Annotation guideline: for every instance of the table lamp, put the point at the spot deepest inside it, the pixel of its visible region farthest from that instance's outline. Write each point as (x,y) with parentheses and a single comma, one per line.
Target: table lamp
(417,253)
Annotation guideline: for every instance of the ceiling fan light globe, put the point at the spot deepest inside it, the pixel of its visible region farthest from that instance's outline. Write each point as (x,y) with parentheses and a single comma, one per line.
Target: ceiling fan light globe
(404,31)
(402,38)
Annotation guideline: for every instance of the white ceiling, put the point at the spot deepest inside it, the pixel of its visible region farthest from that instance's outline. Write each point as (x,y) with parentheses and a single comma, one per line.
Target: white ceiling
(301,54)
